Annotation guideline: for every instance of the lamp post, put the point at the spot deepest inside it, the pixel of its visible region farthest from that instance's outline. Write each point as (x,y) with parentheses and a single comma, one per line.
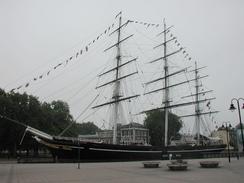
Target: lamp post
(227,137)
(232,108)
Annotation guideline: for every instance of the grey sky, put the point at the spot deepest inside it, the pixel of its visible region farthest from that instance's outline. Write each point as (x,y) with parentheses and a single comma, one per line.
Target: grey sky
(35,35)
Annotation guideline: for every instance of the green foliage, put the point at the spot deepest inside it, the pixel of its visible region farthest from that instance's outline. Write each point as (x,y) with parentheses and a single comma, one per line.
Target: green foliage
(51,118)
(155,122)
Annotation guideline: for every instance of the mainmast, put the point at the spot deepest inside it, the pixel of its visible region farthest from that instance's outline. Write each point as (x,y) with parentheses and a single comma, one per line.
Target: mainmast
(116,82)
(166,86)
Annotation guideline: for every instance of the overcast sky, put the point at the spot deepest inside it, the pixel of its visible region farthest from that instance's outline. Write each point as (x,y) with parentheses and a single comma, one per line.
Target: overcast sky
(36,34)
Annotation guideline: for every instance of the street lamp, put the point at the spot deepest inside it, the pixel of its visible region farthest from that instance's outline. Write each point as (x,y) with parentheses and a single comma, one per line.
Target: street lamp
(227,137)
(232,108)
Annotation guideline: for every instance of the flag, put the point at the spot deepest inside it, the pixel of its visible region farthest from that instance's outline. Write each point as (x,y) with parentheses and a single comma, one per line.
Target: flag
(12,90)
(81,52)
(86,48)
(157,25)
(105,31)
(35,79)
(70,58)
(40,76)
(93,41)
(48,73)
(27,84)
(77,54)
(19,87)
(118,14)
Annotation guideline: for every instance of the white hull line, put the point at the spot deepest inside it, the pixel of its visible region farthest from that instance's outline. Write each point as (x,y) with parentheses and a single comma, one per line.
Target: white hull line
(197,150)
(119,150)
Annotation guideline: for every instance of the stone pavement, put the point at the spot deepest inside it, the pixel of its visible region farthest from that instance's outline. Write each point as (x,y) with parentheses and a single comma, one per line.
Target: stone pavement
(120,172)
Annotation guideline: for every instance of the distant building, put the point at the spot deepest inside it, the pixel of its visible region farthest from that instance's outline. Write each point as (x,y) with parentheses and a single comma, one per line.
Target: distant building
(132,133)
(221,133)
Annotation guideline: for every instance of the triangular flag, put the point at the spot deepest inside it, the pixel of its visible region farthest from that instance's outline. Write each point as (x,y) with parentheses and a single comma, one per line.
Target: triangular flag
(48,72)
(70,58)
(27,84)
(35,79)
(86,48)
(40,76)
(77,54)
(19,87)
(81,52)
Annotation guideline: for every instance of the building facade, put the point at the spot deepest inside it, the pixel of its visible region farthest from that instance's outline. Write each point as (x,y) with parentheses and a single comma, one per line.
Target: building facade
(132,133)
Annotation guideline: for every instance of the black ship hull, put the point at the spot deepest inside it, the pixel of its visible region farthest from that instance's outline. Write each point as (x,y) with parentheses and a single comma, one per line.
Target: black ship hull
(89,151)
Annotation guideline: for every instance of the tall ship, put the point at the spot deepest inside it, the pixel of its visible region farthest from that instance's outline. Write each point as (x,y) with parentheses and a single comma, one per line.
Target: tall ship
(121,148)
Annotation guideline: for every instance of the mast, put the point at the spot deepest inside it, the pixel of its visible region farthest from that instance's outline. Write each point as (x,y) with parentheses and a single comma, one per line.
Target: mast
(117,96)
(116,90)
(166,91)
(197,106)
(166,88)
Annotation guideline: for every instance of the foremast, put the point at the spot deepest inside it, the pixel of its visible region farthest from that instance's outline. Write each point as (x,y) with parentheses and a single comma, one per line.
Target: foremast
(197,106)
(166,91)
(116,90)
(117,96)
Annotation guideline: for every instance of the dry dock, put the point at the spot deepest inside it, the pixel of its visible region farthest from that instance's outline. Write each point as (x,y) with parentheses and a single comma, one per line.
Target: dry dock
(120,172)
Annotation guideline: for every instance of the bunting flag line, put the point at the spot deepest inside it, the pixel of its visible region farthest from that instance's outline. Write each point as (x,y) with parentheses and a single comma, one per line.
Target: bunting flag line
(144,23)
(65,62)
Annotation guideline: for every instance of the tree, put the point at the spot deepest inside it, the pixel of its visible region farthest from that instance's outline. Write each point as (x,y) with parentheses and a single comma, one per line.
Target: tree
(155,122)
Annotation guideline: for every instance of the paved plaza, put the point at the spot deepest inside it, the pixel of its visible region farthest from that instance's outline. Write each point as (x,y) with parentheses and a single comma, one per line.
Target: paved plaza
(120,172)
